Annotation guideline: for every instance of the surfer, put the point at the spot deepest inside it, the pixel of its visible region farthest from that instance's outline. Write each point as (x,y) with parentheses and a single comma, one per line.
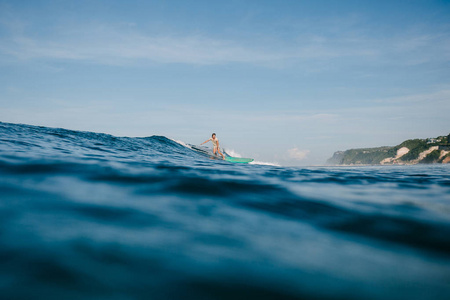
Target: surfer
(215,142)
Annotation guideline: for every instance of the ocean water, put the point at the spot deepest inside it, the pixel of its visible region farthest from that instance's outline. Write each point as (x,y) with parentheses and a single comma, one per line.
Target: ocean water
(92,216)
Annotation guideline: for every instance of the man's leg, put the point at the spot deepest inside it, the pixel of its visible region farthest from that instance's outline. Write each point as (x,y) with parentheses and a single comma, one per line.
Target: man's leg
(223,157)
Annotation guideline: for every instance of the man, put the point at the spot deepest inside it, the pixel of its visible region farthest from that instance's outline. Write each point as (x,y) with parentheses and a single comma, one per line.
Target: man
(215,142)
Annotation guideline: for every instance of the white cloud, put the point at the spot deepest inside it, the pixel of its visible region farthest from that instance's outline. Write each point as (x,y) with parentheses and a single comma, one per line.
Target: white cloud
(298,154)
(123,44)
(119,45)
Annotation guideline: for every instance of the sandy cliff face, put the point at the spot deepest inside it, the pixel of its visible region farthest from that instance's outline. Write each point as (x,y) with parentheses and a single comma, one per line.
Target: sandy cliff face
(446,160)
(390,160)
(425,153)
(402,151)
(443,154)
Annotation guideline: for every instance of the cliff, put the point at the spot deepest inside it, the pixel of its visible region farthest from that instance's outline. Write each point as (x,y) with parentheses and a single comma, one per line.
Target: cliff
(431,150)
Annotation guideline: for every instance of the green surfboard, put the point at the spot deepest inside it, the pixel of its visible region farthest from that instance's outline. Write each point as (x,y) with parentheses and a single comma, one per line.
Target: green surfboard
(238,159)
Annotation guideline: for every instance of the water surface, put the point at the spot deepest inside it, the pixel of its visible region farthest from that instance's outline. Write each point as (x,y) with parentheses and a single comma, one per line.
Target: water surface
(92,216)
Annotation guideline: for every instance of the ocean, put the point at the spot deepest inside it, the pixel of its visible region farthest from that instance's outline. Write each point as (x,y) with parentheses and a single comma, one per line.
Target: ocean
(86,215)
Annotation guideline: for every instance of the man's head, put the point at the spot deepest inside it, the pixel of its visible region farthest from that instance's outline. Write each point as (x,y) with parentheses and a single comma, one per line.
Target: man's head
(213,135)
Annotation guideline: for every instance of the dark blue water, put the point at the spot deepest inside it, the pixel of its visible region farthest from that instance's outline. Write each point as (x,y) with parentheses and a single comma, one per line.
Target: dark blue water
(93,216)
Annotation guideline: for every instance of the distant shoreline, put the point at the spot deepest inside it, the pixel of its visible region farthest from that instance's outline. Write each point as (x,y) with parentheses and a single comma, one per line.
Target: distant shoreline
(409,152)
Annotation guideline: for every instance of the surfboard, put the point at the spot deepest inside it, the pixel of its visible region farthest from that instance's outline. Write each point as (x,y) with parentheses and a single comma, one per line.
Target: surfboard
(238,159)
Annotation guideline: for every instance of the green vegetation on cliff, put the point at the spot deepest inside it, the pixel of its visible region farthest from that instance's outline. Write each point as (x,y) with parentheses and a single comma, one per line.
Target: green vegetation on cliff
(365,156)
(388,155)
(415,148)
(431,158)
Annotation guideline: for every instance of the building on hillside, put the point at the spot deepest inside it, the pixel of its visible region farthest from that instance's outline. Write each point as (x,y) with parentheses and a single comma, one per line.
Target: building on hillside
(446,147)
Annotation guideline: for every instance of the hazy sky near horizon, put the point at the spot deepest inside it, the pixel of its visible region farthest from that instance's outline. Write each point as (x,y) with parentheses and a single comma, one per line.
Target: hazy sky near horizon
(281,81)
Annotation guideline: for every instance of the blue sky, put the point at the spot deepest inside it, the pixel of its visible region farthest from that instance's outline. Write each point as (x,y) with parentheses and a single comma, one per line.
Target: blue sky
(281,81)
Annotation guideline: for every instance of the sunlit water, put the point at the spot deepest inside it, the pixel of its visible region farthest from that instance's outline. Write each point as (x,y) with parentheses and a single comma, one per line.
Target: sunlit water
(93,216)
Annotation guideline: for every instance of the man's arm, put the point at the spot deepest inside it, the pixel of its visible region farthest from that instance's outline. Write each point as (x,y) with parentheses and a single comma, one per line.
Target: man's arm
(205,141)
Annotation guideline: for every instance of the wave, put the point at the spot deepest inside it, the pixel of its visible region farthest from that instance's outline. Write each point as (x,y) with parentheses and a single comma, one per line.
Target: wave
(34,141)
(63,142)
(263,163)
